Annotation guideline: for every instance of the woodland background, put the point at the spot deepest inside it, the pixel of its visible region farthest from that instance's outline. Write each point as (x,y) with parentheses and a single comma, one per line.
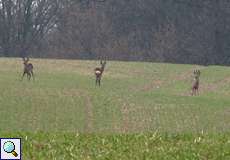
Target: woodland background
(176,31)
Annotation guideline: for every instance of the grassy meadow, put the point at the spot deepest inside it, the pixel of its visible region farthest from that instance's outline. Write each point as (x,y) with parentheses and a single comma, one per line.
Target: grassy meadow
(141,111)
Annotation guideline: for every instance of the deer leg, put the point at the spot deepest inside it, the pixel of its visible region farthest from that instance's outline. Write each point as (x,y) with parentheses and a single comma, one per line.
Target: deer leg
(193,91)
(196,91)
(99,81)
(32,73)
(29,76)
(96,81)
(23,75)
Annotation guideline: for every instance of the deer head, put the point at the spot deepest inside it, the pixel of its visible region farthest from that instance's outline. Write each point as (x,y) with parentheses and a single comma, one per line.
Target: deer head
(25,60)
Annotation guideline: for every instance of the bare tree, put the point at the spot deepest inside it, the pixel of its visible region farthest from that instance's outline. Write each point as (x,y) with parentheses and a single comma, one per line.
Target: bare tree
(24,23)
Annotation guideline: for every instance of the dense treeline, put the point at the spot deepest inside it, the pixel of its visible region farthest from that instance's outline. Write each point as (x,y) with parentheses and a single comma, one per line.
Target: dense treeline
(194,31)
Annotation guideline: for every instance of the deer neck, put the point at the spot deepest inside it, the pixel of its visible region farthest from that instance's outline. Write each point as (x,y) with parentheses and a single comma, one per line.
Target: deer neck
(197,80)
(102,69)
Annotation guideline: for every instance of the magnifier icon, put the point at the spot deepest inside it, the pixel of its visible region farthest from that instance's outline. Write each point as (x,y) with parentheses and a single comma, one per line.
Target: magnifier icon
(9,147)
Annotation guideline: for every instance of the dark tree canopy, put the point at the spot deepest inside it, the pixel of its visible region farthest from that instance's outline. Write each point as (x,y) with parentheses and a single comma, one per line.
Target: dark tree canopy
(178,31)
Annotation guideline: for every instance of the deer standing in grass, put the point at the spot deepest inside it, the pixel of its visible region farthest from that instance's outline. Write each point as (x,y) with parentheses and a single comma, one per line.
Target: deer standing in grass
(28,69)
(99,71)
(196,82)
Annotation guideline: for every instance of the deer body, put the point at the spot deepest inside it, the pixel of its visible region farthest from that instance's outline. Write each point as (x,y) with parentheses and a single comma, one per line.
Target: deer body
(28,69)
(98,72)
(196,83)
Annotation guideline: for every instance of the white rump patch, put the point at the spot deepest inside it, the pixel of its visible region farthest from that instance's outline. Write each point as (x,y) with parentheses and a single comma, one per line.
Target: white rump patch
(98,72)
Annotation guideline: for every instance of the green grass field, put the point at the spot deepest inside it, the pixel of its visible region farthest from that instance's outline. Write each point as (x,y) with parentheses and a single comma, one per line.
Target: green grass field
(141,111)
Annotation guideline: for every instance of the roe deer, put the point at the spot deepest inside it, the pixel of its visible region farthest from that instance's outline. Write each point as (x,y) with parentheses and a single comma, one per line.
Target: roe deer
(196,82)
(99,71)
(28,69)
